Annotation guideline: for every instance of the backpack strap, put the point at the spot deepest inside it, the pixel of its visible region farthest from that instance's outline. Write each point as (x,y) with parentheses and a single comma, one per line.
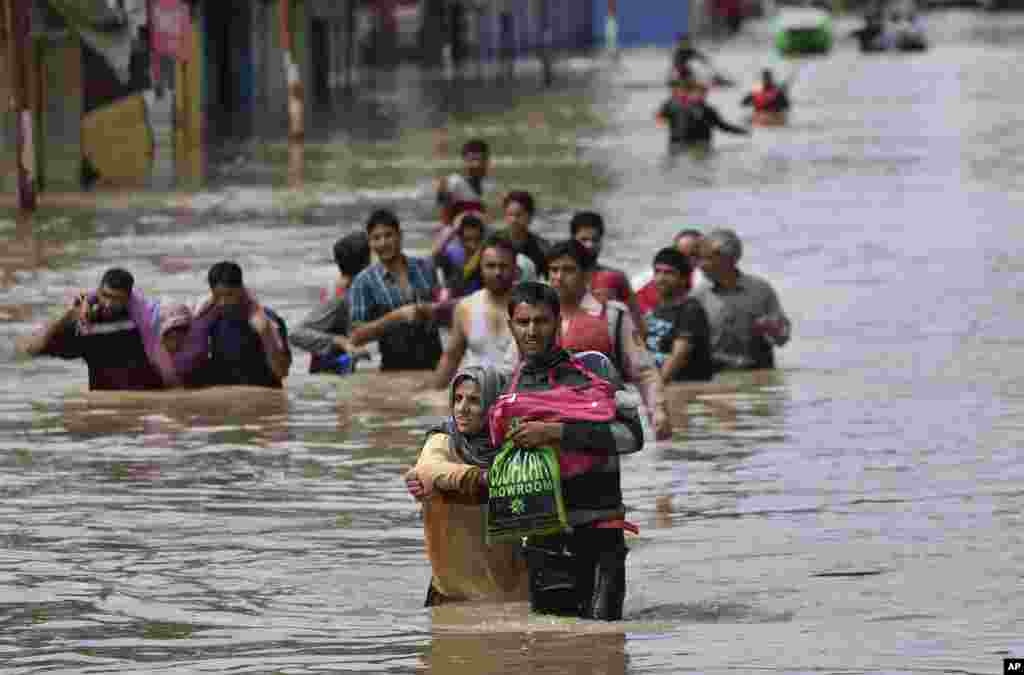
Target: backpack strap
(615,333)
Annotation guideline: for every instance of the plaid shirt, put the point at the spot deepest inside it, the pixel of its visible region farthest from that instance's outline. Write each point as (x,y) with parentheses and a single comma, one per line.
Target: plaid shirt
(375,292)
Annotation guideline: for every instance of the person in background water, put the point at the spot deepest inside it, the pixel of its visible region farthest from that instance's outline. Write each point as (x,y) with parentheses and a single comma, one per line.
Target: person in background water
(606,283)
(691,119)
(99,329)
(450,480)
(469,190)
(682,54)
(728,15)
(175,322)
(184,339)
(409,339)
(352,256)
(746,319)
(480,332)
(582,572)
(677,329)
(519,209)
(248,342)
(770,98)
(456,253)
(687,242)
(324,332)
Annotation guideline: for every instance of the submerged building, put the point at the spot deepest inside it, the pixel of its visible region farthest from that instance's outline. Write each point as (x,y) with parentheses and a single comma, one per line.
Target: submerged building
(130,91)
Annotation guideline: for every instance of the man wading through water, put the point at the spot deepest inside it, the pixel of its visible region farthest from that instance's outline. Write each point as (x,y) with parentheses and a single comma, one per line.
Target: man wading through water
(581,572)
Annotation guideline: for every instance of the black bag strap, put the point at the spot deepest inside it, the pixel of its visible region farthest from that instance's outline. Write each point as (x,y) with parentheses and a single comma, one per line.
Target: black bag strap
(617,337)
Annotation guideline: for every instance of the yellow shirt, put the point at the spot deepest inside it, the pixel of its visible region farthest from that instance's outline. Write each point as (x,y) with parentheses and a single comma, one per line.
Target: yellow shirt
(464,566)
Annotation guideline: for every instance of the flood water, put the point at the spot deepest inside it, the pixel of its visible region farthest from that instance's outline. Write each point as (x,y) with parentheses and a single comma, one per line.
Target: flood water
(858,511)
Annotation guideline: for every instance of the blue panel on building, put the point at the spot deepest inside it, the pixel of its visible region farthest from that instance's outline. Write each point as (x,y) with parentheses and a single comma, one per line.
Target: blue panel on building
(644,22)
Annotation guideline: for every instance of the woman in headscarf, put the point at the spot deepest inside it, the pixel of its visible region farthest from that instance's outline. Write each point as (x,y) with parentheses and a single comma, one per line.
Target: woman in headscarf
(450,479)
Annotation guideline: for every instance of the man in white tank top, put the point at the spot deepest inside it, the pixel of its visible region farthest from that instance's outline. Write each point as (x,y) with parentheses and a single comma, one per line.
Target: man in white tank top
(480,332)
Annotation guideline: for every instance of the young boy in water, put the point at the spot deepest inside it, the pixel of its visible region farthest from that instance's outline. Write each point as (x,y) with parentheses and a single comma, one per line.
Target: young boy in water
(470,189)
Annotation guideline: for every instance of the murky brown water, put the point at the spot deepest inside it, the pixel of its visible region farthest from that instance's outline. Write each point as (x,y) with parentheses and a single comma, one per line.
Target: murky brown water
(860,510)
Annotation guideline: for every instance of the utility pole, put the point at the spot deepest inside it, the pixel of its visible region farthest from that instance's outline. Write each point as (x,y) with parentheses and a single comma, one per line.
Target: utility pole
(611,30)
(296,125)
(546,46)
(19,22)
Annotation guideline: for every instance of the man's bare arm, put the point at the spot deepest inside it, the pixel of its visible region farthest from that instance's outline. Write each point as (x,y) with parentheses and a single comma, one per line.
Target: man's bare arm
(35,344)
(677,360)
(452,356)
(375,330)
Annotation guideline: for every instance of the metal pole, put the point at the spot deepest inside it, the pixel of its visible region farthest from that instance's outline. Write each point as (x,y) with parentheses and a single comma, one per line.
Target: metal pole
(350,47)
(296,126)
(19,21)
(546,43)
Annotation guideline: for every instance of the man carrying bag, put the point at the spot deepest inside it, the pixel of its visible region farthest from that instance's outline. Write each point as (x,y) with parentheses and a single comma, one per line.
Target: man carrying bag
(568,405)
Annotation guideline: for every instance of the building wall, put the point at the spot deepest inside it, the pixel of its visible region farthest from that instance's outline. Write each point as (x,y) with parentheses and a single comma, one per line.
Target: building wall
(643,23)
(569,21)
(60,141)
(189,122)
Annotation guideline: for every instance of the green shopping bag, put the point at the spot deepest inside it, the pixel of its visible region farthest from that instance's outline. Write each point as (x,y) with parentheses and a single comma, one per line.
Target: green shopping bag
(525,494)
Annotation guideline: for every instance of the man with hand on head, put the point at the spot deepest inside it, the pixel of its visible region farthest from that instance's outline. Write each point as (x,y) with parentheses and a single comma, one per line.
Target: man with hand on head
(100,329)
(248,342)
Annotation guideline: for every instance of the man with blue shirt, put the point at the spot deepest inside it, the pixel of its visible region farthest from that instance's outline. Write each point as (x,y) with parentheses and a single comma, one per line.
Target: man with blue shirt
(408,339)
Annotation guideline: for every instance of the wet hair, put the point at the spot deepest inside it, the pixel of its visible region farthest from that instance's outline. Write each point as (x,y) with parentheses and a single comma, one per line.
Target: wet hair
(523,198)
(590,219)
(473,221)
(383,217)
(500,242)
(688,232)
(534,293)
(352,253)
(570,248)
(673,258)
(225,273)
(728,243)
(476,146)
(685,76)
(117,279)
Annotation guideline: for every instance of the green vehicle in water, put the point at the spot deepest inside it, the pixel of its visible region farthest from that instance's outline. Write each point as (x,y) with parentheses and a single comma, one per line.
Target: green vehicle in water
(803,30)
